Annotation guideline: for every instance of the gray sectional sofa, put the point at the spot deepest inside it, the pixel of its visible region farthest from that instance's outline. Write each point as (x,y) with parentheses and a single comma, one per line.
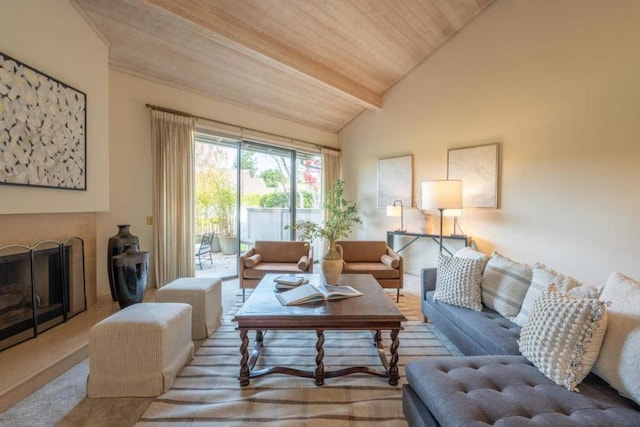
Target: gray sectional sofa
(495,385)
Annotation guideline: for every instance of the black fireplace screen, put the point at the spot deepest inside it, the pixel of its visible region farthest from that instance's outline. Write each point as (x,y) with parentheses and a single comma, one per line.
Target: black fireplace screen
(40,286)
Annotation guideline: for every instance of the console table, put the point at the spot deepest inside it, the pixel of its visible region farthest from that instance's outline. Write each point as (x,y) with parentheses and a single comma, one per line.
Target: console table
(416,236)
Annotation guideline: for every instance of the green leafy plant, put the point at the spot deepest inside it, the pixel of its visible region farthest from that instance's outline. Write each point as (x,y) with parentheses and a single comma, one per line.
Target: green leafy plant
(342,215)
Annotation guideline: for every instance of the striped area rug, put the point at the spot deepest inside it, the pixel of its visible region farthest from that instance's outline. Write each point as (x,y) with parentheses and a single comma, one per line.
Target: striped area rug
(207,391)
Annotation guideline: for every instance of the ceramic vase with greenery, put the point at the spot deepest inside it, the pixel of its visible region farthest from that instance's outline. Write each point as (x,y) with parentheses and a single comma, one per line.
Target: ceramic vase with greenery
(341,216)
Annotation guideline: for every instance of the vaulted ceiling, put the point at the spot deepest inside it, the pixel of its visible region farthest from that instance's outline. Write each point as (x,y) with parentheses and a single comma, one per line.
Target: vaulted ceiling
(317,62)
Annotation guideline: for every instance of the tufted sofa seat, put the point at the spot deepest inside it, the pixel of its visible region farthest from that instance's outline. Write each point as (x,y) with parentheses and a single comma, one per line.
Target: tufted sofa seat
(506,391)
(495,385)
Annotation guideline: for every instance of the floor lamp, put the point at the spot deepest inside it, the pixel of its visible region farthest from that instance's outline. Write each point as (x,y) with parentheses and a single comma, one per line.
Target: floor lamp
(442,194)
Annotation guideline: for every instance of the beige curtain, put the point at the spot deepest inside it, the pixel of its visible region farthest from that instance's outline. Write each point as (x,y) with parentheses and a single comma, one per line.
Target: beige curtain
(173,148)
(331,168)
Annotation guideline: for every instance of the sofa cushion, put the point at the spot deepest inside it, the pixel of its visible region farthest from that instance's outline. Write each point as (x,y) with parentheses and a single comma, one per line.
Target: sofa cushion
(619,360)
(508,391)
(458,282)
(504,284)
(263,268)
(303,263)
(562,336)
(540,279)
(285,251)
(252,261)
(492,332)
(390,261)
(363,250)
(376,269)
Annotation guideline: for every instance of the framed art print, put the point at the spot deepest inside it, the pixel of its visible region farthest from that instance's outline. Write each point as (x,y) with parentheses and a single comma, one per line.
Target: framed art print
(477,167)
(395,181)
(42,129)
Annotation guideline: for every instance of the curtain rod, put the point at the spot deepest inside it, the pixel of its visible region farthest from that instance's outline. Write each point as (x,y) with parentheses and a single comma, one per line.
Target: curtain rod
(182,113)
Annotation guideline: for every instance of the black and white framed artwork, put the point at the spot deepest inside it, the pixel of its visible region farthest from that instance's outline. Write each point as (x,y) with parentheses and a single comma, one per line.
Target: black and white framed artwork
(42,129)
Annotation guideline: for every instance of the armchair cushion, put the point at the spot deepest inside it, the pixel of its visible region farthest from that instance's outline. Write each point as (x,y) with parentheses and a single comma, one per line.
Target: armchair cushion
(252,261)
(303,263)
(390,261)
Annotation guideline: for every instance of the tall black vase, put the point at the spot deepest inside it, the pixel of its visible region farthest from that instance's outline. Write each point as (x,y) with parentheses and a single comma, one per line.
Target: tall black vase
(115,247)
(130,272)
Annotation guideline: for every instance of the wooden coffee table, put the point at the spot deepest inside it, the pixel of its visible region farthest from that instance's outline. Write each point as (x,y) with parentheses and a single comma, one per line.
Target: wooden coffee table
(373,311)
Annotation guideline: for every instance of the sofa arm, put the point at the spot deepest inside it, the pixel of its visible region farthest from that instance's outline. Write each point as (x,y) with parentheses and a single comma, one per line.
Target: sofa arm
(249,252)
(428,280)
(393,254)
(310,256)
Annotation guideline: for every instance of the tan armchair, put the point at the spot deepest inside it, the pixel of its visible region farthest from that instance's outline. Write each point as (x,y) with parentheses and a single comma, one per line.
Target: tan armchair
(273,257)
(375,258)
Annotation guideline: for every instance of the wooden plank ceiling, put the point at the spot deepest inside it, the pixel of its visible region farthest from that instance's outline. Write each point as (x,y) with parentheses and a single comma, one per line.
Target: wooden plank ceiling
(317,62)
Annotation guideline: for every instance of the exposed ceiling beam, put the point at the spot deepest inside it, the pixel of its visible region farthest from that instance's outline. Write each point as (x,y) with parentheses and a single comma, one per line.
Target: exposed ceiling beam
(235,34)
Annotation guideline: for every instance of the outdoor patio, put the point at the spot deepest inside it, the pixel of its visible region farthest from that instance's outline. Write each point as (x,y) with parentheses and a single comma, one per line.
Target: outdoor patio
(221,266)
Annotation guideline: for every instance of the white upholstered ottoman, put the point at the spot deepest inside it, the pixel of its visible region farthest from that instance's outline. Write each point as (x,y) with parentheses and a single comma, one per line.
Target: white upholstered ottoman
(204,295)
(139,350)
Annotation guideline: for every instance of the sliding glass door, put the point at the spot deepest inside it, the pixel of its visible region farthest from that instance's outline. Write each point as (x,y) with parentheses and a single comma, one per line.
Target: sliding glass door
(215,206)
(248,191)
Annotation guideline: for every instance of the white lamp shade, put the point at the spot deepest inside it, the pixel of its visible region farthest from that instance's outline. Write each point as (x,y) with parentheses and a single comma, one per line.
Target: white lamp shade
(394,210)
(442,194)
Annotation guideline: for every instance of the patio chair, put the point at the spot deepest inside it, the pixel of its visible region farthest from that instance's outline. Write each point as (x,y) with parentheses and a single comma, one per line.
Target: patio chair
(205,248)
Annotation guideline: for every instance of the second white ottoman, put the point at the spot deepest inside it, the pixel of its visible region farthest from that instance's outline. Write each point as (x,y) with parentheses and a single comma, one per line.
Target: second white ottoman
(204,295)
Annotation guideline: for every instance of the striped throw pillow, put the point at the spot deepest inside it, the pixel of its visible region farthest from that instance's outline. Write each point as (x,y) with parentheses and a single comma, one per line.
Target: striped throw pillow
(504,285)
(563,335)
(540,279)
(458,282)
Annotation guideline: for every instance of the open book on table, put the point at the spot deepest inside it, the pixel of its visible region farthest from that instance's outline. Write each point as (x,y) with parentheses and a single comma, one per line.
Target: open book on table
(308,293)
(289,281)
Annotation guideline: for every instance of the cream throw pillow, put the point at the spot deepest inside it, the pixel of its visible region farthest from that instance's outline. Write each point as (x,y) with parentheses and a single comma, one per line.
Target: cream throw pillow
(541,278)
(458,282)
(252,261)
(619,361)
(563,335)
(470,253)
(504,285)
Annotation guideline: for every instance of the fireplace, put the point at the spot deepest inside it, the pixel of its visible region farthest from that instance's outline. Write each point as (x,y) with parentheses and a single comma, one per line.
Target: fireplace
(41,286)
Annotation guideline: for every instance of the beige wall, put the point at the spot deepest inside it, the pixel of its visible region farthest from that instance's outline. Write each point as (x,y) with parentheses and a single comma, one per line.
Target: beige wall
(557,84)
(50,36)
(130,148)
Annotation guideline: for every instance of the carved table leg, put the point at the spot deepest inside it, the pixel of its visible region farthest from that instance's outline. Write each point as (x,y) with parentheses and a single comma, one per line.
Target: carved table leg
(394,375)
(377,339)
(319,374)
(244,366)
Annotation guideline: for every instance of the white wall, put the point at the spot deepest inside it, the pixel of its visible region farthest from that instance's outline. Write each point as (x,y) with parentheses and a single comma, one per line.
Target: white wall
(130,149)
(50,36)
(557,83)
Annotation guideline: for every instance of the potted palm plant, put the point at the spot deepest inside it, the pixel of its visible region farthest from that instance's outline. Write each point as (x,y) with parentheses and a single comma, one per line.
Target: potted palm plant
(341,216)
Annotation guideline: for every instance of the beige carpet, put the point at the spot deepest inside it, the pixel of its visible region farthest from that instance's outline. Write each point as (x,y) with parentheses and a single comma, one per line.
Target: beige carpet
(207,390)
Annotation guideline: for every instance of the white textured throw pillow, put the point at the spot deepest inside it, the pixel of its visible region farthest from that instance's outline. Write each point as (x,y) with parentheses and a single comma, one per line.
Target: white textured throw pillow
(563,335)
(619,361)
(470,253)
(504,284)
(541,278)
(458,282)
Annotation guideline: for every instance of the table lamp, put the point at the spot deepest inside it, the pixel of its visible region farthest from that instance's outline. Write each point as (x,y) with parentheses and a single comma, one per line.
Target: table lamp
(397,210)
(442,194)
